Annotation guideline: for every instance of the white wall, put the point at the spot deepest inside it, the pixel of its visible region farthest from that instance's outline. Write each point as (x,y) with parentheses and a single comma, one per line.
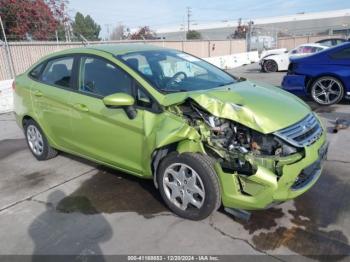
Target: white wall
(6,96)
(235,60)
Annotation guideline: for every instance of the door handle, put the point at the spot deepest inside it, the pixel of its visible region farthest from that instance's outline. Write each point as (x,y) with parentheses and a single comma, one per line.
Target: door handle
(81,107)
(38,93)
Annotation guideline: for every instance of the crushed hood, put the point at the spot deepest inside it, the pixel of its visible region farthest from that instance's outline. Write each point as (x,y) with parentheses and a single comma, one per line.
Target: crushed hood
(261,107)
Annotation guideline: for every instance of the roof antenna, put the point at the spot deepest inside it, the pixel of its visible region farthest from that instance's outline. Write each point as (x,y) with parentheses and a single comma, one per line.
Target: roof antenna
(84,40)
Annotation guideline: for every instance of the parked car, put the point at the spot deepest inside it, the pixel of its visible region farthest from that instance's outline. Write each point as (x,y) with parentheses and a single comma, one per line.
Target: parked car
(280,62)
(202,135)
(331,41)
(324,76)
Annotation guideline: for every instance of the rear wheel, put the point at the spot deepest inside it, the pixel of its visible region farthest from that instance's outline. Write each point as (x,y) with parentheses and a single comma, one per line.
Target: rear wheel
(189,185)
(270,66)
(37,141)
(327,90)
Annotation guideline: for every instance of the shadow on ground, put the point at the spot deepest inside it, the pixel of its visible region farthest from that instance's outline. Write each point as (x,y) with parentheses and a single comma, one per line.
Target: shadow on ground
(110,191)
(73,238)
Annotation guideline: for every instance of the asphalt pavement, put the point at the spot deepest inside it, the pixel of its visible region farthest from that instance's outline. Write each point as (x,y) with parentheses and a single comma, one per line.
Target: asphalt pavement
(68,205)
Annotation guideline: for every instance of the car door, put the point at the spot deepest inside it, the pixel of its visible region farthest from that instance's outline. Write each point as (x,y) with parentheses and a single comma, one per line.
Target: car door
(50,95)
(102,133)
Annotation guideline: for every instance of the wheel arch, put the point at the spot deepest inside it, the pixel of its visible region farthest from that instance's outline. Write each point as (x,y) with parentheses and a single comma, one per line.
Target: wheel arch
(311,79)
(181,146)
(25,118)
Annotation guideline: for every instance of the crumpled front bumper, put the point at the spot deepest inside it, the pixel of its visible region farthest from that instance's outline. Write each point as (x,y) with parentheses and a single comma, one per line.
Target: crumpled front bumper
(266,188)
(294,84)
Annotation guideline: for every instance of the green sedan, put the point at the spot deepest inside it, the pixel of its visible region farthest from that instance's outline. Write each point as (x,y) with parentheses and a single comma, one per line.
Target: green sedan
(205,137)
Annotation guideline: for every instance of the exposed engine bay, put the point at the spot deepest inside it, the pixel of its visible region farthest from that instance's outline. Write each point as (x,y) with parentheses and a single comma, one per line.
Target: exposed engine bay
(238,148)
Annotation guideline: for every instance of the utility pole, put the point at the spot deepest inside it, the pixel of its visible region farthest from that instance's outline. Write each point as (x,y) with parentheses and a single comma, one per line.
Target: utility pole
(249,35)
(107,30)
(189,14)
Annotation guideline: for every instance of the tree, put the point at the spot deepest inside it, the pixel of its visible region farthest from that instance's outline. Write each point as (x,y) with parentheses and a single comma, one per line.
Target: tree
(143,33)
(240,32)
(59,10)
(86,27)
(25,19)
(193,34)
(118,33)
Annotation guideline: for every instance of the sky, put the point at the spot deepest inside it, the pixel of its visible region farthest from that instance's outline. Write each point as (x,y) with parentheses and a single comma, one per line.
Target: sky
(168,13)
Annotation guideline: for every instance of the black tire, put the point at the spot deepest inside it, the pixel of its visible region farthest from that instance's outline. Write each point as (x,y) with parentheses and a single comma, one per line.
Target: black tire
(47,151)
(315,89)
(203,167)
(270,66)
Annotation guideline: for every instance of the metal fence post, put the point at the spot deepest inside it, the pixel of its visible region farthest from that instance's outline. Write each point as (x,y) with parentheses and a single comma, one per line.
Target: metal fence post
(7,51)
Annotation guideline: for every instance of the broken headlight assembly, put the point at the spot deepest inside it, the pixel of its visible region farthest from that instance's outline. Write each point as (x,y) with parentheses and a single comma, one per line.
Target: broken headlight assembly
(238,148)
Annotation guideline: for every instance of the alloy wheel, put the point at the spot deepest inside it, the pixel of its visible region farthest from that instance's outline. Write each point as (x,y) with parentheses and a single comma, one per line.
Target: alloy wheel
(35,140)
(270,66)
(327,91)
(183,186)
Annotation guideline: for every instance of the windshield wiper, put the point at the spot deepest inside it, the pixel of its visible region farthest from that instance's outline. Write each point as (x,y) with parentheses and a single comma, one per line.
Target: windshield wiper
(173,90)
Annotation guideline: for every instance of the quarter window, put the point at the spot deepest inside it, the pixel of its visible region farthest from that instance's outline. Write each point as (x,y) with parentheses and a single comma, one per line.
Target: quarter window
(58,72)
(342,54)
(35,73)
(101,78)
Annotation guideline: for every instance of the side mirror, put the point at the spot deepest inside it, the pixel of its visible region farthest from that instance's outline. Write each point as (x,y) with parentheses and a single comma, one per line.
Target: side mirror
(122,100)
(118,100)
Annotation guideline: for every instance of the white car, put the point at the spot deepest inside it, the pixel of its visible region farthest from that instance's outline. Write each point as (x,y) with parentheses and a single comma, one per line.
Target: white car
(274,62)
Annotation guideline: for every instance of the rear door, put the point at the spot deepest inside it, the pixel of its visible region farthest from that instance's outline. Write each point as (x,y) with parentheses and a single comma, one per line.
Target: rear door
(50,95)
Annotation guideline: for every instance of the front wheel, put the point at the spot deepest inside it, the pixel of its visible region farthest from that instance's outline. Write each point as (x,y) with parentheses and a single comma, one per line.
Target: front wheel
(189,185)
(327,90)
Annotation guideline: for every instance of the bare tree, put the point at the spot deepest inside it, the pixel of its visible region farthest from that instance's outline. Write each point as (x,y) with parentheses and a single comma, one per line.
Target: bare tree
(118,33)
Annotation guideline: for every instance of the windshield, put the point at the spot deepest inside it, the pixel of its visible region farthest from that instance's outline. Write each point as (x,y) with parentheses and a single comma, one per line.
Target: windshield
(173,71)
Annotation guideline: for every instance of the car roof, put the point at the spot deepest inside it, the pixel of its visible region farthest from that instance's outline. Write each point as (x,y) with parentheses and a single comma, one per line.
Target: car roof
(113,49)
(120,49)
(330,39)
(313,45)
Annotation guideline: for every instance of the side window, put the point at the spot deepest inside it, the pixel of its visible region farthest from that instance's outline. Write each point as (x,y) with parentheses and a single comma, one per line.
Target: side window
(35,73)
(101,78)
(326,42)
(58,72)
(341,54)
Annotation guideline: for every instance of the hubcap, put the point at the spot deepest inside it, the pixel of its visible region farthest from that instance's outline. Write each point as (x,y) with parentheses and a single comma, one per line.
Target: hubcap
(183,186)
(35,140)
(327,91)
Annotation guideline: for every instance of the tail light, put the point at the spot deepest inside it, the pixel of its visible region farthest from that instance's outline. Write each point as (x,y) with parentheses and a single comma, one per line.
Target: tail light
(14,85)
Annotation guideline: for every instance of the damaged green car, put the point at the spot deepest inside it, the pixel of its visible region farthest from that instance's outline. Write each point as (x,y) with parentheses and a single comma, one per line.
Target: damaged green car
(205,137)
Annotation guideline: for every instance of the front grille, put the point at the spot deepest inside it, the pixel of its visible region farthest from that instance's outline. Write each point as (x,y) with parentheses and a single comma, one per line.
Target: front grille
(303,133)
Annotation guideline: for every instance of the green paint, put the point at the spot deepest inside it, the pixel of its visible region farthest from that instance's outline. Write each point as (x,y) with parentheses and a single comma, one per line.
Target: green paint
(107,136)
